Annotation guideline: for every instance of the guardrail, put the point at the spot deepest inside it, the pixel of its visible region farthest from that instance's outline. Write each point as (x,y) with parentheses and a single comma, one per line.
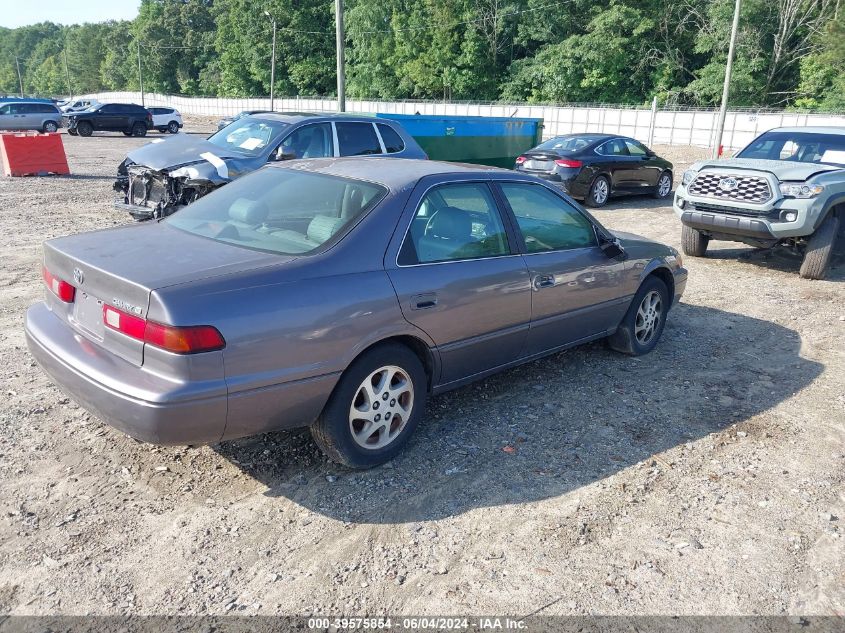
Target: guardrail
(665,126)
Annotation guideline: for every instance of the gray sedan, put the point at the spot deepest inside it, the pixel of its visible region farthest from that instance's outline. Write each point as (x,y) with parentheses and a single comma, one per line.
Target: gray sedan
(337,294)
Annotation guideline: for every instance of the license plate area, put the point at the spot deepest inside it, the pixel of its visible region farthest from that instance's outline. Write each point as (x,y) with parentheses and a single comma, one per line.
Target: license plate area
(88,314)
(540,165)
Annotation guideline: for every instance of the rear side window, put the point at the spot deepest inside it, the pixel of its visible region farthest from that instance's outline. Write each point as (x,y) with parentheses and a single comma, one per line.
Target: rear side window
(547,222)
(455,222)
(357,139)
(612,148)
(392,141)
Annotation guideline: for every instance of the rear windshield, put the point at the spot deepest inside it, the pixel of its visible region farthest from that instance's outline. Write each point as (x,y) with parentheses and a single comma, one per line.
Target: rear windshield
(285,211)
(249,136)
(799,147)
(569,143)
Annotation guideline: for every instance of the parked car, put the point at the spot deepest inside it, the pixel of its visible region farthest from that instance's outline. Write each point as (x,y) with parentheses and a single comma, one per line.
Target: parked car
(166,119)
(337,294)
(77,105)
(131,119)
(159,179)
(27,115)
(594,167)
(229,119)
(787,187)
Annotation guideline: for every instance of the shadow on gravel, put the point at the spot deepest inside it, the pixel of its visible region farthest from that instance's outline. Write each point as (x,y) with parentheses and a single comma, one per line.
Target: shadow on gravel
(550,427)
(782,259)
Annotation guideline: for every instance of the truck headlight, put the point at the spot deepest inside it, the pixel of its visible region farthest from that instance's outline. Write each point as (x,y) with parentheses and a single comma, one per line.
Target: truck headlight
(800,190)
(688,177)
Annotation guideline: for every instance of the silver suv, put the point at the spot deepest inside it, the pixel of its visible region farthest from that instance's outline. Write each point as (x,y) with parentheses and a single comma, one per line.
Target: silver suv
(30,115)
(786,187)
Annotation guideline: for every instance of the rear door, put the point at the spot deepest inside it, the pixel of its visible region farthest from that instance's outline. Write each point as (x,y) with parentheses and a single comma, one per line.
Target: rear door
(459,279)
(575,286)
(619,163)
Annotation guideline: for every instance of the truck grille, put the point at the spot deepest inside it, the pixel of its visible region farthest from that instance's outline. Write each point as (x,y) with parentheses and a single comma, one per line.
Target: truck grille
(752,189)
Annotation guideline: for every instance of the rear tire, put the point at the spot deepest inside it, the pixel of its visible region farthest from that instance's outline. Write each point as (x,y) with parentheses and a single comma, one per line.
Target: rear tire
(599,193)
(84,128)
(664,185)
(172,127)
(694,242)
(386,370)
(50,127)
(820,249)
(139,129)
(640,329)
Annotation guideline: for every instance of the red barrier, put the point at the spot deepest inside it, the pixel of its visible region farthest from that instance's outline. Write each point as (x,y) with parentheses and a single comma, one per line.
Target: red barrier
(32,154)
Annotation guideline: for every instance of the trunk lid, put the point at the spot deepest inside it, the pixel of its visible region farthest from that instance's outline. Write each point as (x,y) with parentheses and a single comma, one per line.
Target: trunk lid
(121,267)
(540,160)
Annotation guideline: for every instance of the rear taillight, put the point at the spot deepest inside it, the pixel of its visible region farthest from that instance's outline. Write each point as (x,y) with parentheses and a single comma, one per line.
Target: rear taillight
(568,162)
(520,160)
(62,289)
(179,340)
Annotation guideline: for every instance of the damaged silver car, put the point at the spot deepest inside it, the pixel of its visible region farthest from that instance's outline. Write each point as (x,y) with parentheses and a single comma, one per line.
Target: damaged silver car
(161,177)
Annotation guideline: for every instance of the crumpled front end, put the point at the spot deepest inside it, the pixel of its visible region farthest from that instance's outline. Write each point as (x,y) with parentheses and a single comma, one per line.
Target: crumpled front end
(150,194)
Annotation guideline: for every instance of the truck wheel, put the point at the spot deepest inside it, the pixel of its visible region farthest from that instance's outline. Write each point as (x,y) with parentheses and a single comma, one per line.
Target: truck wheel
(643,324)
(139,129)
(84,128)
(820,249)
(693,242)
(374,408)
(599,193)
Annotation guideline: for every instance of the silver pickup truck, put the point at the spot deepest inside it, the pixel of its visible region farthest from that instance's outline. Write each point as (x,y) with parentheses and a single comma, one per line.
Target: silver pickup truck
(786,187)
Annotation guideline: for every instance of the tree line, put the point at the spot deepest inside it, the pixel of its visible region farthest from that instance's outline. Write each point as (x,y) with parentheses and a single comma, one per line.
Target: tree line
(790,53)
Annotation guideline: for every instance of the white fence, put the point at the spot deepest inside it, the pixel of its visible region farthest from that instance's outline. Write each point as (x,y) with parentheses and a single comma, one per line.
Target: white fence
(671,127)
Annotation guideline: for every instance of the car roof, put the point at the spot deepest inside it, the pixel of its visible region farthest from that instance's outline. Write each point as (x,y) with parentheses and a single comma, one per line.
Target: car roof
(817,129)
(296,117)
(391,172)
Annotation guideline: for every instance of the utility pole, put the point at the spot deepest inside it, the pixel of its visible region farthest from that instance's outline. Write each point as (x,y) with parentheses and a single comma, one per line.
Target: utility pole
(720,128)
(272,62)
(341,46)
(140,76)
(20,81)
(67,75)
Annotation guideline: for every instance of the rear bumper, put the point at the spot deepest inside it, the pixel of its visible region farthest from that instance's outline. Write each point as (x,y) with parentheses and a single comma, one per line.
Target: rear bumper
(137,402)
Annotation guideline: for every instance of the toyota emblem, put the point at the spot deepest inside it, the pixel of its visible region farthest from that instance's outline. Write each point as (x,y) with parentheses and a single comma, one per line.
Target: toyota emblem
(78,277)
(728,184)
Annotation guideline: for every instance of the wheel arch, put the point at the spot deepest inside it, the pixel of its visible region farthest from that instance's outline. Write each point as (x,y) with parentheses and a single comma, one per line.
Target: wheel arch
(421,349)
(661,271)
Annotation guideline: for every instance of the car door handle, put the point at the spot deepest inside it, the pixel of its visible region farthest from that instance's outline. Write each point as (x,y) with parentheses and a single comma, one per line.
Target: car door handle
(421,302)
(544,281)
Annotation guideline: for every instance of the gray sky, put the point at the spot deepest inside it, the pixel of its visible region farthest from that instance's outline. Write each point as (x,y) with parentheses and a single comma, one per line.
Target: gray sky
(20,12)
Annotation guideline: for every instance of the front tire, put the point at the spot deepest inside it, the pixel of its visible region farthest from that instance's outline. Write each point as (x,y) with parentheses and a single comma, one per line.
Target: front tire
(599,193)
(374,408)
(72,132)
(84,128)
(820,249)
(694,242)
(643,324)
(664,185)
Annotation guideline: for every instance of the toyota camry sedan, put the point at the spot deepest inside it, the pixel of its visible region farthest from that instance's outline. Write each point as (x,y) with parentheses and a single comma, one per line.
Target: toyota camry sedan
(336,294)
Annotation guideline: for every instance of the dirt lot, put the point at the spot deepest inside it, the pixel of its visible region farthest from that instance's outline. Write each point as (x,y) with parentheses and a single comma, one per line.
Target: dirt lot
(704,478)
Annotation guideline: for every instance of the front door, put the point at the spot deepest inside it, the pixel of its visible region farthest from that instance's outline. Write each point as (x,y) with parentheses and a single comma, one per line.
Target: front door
(645,170)
(459,279)
(575,286)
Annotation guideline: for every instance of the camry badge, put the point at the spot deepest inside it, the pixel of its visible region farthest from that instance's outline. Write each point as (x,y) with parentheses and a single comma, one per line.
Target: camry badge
(728,184)
(78,277)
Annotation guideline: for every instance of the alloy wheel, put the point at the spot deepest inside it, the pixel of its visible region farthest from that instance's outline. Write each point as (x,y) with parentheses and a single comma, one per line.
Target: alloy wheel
(664,186)
(648,318)
(600,191)
(381,407)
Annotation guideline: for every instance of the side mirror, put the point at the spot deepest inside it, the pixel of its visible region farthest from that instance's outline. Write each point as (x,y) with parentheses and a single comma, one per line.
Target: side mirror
(650,153)
(611,247)
(280,155)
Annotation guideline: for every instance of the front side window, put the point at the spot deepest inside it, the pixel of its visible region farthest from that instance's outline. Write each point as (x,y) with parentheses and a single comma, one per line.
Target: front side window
(455,222)
(546,221)
(249,136)
(309,141)
(357,139)
(285,211)
(799,147)
(6,109)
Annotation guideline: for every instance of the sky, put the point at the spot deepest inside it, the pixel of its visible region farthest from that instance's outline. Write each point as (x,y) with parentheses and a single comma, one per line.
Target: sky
(20,12)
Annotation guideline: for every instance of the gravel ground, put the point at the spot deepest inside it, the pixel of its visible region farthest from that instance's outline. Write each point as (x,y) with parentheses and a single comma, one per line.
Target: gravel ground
(705,478)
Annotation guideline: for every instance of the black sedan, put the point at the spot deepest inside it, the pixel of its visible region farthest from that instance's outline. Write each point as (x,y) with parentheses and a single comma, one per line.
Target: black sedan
(593,167)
